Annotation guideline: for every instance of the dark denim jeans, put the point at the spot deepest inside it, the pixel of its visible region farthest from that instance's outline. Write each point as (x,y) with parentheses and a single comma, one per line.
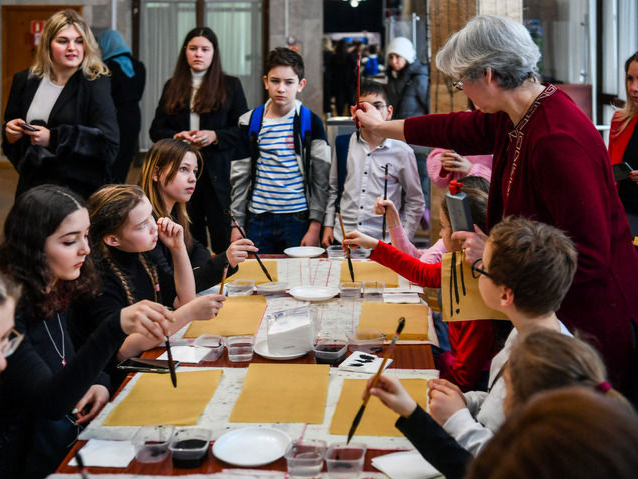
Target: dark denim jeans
(273,233)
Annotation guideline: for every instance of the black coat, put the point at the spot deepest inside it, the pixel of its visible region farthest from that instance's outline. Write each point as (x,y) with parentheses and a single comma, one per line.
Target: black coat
(223,121)
(435,444)
(127,93)
(408,93)
(84,134)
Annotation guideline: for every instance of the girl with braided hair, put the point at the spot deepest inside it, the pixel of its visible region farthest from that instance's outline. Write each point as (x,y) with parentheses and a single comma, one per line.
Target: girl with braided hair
(122,230)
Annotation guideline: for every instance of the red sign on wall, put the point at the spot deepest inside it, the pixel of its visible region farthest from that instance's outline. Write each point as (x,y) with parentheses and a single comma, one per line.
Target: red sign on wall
(37,26)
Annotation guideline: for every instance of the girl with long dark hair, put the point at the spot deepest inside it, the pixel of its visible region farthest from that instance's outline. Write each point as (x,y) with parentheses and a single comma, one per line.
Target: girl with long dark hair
(49,388)
(201,105)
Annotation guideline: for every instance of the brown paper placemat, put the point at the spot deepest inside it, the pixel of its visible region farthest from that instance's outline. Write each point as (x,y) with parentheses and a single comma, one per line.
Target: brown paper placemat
(241,315)
(377,420)
(283,393)
(154,400)
(385,318)
(250,269)
(369,271)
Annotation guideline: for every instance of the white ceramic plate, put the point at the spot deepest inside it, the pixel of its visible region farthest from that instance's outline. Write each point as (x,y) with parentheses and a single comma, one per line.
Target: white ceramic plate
(304,251)
(261,348)
(251,446)
(313,293)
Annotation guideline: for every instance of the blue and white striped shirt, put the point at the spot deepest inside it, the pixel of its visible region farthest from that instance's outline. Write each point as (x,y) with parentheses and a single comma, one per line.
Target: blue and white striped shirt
(279,185)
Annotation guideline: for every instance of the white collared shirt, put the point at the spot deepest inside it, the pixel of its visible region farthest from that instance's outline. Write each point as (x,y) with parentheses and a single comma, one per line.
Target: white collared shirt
(364,184)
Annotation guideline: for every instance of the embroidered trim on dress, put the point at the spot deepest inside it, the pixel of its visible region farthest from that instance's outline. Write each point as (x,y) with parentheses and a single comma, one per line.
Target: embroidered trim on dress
(517,134)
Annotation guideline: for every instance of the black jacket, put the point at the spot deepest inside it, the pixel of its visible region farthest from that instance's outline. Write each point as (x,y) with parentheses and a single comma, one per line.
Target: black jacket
(223,121)
(37,392)
(126,93)
(408,92)
(84,134)
(435,444)
(208,270)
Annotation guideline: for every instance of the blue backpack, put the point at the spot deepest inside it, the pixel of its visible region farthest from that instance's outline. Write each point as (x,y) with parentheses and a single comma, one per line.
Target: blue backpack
(256,120)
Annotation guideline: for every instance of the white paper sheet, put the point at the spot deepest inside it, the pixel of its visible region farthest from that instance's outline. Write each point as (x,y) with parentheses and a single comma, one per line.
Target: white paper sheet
(359,363)
(405,465)
(99,453)
(187,354)
(409,298)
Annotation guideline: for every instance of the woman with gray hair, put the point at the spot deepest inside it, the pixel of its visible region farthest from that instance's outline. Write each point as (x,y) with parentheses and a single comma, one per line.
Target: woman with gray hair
(549,164)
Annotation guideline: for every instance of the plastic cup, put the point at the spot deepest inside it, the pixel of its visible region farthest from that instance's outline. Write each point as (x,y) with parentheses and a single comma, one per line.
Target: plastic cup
(350,290)
(189,446)
(240,348)
(345,461)
(373,291)
(240,287)
(151,443)
(305,458)
(212,342)
(336,252)
(330,349)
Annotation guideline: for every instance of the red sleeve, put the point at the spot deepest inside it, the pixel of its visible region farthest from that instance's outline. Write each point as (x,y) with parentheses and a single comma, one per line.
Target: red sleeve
(472,346)
(414,270)
(467,132)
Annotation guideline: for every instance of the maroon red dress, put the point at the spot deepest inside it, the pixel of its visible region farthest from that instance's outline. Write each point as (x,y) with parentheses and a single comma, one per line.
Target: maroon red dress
(553,167)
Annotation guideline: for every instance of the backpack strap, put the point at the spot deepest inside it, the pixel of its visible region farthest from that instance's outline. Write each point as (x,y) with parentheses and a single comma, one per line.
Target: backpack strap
(254,126)
(306,142)
(342,144)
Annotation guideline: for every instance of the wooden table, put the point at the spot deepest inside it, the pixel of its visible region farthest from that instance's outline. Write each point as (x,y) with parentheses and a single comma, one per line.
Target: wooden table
(405,356)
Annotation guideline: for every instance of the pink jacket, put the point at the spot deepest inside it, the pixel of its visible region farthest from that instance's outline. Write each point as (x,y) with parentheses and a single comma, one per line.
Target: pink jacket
(441,177)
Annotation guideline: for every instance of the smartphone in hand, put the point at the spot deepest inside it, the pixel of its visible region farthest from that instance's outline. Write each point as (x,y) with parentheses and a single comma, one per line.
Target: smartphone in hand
(27,127)
(146,365)
(621,171)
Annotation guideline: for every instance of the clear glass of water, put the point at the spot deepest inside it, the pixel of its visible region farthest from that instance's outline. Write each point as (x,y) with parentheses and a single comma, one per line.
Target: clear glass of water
(240,348)
(305,458)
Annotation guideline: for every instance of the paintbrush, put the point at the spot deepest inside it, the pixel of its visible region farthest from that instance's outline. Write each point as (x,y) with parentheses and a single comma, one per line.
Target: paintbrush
(385,197)
(167,343)
(225,273)
(375,379)
(81,466)
(243,235)
(343,233)
(171,364)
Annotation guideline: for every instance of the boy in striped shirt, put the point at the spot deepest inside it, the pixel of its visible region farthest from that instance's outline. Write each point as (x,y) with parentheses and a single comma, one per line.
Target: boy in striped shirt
(280,184)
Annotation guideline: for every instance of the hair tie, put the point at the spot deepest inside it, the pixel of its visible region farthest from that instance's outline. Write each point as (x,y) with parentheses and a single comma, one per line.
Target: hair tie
(603,387)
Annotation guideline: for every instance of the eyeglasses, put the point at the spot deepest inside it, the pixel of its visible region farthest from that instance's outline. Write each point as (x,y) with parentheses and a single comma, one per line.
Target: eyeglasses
(9,345)
(477,269)
(378,105)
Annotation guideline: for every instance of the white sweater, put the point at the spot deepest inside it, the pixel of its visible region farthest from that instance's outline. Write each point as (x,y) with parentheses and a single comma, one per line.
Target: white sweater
(474,426)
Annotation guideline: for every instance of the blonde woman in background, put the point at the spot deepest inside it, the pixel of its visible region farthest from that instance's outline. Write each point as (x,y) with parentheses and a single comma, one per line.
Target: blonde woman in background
(60,123)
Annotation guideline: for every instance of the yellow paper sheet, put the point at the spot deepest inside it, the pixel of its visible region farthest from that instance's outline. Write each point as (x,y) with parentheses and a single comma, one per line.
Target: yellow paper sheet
(283,393)
(154,400)
(462,299)
(241,315)
(369,271)
(377,420)
(385,318)
(250,269)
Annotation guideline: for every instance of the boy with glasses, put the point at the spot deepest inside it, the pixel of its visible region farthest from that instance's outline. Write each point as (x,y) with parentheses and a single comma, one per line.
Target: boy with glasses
(525,272)
(356,185)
